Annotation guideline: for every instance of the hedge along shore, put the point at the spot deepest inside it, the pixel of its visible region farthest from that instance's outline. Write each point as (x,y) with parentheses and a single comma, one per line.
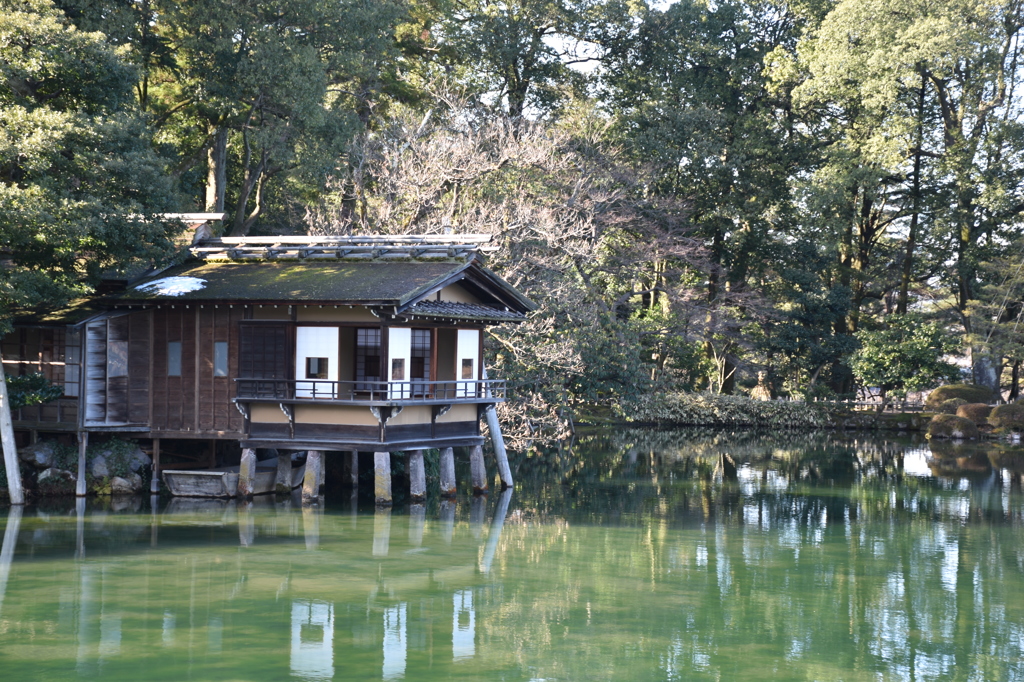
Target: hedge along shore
(703,409)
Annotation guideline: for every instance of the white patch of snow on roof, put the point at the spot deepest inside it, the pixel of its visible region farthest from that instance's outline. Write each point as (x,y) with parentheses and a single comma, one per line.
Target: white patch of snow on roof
(172,286)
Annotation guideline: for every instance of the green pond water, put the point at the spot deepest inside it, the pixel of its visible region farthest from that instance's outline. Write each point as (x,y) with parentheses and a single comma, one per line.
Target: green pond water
(629,556)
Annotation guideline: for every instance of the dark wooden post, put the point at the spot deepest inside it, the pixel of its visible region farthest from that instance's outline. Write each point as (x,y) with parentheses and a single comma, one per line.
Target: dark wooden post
(283,478)
(353,469)
(154,483)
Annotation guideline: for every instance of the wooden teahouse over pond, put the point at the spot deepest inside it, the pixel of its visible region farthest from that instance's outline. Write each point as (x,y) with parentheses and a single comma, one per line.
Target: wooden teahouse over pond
(295,343)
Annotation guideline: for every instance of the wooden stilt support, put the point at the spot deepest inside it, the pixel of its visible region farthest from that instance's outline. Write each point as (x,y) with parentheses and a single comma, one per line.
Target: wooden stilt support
(322,481)
(14,487)
(498,441)
(477,470)
(382,478)
(247,474)
(311,481)
(283,477)
(83,445)
(154,482)
(353,469)
(417,477)
(447,473)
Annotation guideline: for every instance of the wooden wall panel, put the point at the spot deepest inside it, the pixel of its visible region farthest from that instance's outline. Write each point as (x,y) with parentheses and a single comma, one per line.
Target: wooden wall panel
(139,351)
(96,371)
(158,385)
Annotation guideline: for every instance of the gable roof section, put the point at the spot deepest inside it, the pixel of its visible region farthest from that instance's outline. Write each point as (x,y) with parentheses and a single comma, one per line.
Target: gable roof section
(397,284)
(367,283)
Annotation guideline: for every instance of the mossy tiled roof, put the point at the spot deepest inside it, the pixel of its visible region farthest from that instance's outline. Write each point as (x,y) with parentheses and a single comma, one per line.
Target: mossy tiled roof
(372,282)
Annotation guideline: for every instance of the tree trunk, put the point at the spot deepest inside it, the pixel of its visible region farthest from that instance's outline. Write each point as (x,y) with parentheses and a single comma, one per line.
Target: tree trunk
(985,370)
(217,171)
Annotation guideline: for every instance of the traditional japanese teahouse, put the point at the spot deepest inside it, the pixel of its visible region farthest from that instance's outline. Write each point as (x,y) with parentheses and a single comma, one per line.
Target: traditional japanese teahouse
(361,343)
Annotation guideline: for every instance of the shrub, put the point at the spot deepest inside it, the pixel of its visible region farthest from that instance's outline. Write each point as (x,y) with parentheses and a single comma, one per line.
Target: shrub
(969,393)
(1007,417)
(951,426)
(702,409)
(976,412)
(950,406)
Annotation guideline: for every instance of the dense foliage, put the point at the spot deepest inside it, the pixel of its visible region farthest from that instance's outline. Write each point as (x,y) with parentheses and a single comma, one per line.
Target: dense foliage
(823,194)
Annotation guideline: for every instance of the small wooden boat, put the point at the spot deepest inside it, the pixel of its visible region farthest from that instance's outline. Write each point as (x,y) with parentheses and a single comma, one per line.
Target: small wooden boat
(223,482)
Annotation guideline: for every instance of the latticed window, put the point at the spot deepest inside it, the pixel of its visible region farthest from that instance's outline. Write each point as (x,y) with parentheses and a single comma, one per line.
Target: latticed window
(367,359)
(420,354)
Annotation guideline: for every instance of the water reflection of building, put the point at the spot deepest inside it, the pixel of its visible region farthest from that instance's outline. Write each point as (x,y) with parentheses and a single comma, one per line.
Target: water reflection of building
(389,610)
(396,621)
(312,649)
(463,626)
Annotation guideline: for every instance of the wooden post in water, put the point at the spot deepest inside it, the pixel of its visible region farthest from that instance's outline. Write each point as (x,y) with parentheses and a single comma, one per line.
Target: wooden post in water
(353,468)
(498,441)
(447,473)
(478,471)
(311,481)
(83,445)
(14,487)
(417,477)
(283,477)
(322,482)
(154,482)
(247,474)
(382,478)
(381,531)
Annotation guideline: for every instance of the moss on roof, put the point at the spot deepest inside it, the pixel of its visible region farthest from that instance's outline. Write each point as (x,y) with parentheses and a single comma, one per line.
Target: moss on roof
(345,281)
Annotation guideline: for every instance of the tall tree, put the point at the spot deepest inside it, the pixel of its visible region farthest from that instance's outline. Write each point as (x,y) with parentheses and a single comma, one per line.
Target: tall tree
(963,57)
(693,101)
(81,187)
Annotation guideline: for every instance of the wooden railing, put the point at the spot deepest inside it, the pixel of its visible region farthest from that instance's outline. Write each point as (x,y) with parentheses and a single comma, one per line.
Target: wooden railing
(372,391)
(59,411)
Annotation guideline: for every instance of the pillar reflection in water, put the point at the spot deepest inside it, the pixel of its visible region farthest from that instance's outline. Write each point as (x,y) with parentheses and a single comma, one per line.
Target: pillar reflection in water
(167,630)
(110,621)
(7,550)
(312,650)
(477,512)
(463,626)
(311,525)
(496,527)
(395,641)
(381,531)
(447,520)
(417,521)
